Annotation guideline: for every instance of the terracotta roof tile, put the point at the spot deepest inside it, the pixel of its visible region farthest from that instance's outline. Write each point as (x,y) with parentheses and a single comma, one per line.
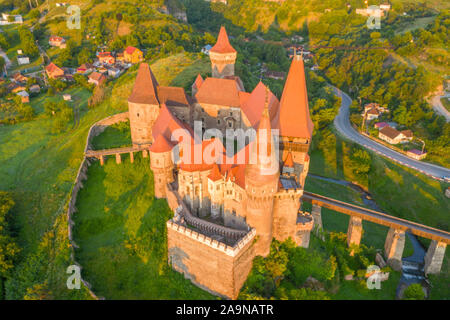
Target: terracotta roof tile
(215,173)
(198,81)
(130,50)
(254,104)
(223,44)
(161,145)
(223,92)
(145,86)
(172,96)
(389,132)
(289,162)
(294,119)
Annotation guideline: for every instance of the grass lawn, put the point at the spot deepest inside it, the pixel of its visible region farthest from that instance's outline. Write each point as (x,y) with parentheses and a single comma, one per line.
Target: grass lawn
(115,136)
(121,231)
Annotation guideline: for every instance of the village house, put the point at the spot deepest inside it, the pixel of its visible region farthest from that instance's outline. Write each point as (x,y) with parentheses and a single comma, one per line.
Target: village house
(372,114)
(206,49)
(133,55)
(85,68)
(393,136)
(35,88)
(416,154)
(6,17)
(97,78)
(19,78)
(380,125)
(67,97)
(106,58)
(277,75)
(21,60)
(56,41)
(114,72)
(25,97)
(53,71)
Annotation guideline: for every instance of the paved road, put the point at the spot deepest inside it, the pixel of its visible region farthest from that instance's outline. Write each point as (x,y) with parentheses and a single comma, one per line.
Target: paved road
(7,61)
(439,107)
(342,124)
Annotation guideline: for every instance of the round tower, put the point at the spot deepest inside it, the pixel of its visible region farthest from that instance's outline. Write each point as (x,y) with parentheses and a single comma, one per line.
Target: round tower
(216,190)
(223,56)
(161,164)
(261,184)
(143,107)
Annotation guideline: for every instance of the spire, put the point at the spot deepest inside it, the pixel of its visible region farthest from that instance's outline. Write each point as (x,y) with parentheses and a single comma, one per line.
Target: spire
(289,162)
(263,145)
(223,44)
(198,81)
(145,86)
(215,173)
(295,120)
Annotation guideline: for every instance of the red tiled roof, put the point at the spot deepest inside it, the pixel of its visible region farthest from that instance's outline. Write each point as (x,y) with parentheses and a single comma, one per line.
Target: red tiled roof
(222,92)
(223,44)
(166,123)
(389,132)
(130,49)
(97,76)
(407,133)
(56,39)
(145,86)
(254,105)
(294,117)
(198,81)
(373,111)
(53,68)
(172,96)
(289,162)
(104,54)
(215,173)
(161,145)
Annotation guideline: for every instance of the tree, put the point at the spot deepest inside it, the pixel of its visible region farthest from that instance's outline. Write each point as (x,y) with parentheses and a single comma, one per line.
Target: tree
(414,292)
(8,248)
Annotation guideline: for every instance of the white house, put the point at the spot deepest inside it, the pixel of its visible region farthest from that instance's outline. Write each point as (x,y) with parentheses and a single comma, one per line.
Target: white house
(23,60)
(206,49)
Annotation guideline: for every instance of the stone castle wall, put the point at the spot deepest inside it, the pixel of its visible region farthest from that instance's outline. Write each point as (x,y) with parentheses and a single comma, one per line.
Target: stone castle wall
(208,263)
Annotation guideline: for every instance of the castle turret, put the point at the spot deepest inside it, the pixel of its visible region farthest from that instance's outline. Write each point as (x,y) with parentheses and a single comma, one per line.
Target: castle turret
(143,106)
(161,164)
(223,56)
(216,188)
(295,122)
(261,183)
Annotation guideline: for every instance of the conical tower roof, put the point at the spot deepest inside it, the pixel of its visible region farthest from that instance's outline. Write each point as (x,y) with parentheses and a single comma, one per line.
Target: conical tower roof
(145,86)
(295,120)
(223,44)
(263,161)
(289,162)
(161,145)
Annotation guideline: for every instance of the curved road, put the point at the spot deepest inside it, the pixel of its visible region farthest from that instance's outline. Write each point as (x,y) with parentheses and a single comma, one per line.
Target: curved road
(342,124)
(439,107)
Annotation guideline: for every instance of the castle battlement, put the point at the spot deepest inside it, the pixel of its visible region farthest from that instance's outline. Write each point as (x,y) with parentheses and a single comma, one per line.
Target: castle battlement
(231,251)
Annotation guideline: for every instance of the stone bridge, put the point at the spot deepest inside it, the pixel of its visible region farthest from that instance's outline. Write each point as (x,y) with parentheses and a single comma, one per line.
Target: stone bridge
(101,154)
(395,240)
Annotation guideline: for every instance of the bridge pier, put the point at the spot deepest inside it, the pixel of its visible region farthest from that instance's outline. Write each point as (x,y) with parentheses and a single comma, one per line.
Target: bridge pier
(144,153)
(118,158)
(354,231)
(434,257)
(102,160)
(393,248)
(316,212)
(131,157)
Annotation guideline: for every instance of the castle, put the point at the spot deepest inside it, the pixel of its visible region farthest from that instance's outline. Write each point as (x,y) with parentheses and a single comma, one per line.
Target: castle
(229,205)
